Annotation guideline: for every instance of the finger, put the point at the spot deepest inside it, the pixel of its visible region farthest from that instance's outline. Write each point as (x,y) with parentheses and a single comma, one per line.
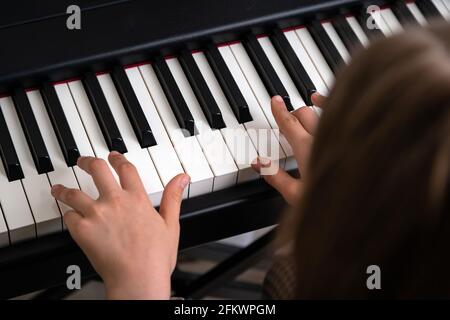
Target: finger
(171,200)
(308,119)
(289,125)
(128,175)
(74,198)
(286,185)
(101,174)
(318,99)
(72,219)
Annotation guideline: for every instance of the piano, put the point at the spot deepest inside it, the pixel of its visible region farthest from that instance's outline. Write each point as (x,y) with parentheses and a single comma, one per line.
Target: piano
(177,86)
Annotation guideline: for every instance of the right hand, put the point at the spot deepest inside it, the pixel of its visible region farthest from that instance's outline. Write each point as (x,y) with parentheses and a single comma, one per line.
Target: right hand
(298,127)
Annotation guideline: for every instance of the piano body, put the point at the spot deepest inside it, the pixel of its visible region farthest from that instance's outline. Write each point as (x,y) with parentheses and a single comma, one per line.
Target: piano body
(161,82)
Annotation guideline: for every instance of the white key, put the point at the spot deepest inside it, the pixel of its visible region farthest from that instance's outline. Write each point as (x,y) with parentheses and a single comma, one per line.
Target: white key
(259,130)
(61,173)
(329,29)
(417,13)
(89,121)
(211,141)
(316,56)
(441,7)
(277,64)
(234,134)
(163,154)
(4,237)
(381,22)
(307,63)
(14,204)
(37,187)
(263,98)
(357,29)
(446,4)
(187,148)
(81,139)
(136,155)
(391,20)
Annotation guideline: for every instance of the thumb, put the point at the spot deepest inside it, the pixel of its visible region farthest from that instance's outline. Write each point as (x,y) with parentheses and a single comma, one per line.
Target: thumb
(171,199)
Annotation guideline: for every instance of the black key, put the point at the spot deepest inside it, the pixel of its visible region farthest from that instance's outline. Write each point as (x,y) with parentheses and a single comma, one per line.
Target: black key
(293,65)
(201,90)
(403,14)
(229,86)
(133,108)
(326,46)
(174,96)
(103,114)
(365,19)
(60,125)
(8,152)
(428,9)
(346,33)
(266,72)
(29,125)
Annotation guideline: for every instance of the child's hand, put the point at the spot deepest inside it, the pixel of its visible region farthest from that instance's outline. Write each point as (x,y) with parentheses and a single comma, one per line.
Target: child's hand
(298,127)
(130,245)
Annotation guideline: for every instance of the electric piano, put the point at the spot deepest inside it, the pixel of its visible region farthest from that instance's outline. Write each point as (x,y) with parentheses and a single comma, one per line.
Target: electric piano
(177,86)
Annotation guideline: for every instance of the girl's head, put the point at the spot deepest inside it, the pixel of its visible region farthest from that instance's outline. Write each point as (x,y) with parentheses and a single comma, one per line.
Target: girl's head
(378,187)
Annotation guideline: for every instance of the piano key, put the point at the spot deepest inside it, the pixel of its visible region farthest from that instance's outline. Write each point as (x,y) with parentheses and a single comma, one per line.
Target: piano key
(378,17)
(417,13)
(174,96)
(346,33)
(369,24)
(429,9)
(228,85)
(358,30)
(404,14)
(103,114)
(265,70)
(4,236)
(209,106)
(293,65)
(235,135)
(8,153)
(211,141)
(90,124)
(337,42)
(447,4)
(61,174)
(17,213)
(441,7)
(263,99)
(163,154)
(307,63)
(60,125)
(259,130)
(37,186)
(272,55)
(187,148)
(316,56)
(325,44)
(84,146)
(36,144)
(134,111)
(136,155)
(391,20)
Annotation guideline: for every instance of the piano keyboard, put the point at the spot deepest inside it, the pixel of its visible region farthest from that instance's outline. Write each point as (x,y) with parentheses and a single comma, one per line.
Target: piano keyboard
(206,113)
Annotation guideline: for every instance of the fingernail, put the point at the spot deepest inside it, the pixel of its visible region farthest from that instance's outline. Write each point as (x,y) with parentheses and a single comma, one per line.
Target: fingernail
(114,153)
(55,188)
(278,99)
(185,181)
(264,162)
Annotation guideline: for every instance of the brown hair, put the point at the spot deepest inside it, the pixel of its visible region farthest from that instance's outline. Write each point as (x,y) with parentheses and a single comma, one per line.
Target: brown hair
(378,191)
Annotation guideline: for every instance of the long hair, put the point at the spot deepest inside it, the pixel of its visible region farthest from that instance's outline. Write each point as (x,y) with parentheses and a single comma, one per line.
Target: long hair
(377,192)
